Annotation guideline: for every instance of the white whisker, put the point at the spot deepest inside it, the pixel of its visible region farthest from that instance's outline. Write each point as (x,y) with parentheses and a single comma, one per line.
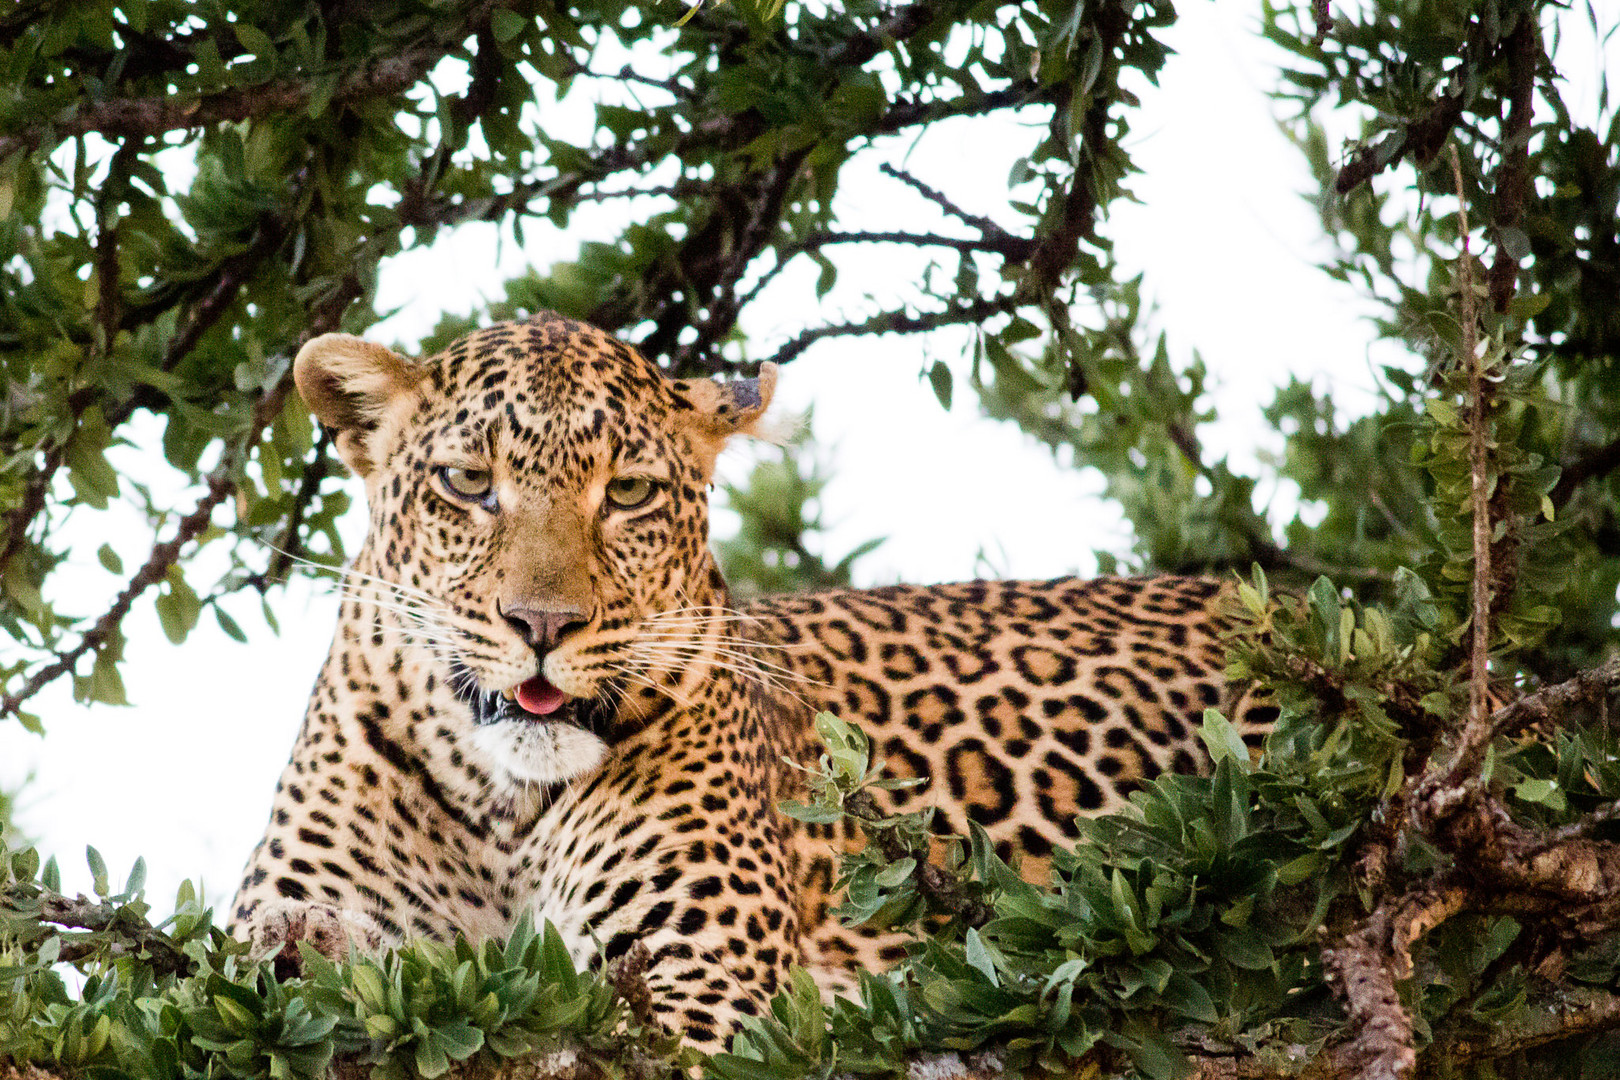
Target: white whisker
(351,572)
(698,649)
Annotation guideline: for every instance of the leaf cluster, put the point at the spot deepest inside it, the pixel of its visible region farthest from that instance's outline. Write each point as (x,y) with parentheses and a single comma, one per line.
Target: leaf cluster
(181,999)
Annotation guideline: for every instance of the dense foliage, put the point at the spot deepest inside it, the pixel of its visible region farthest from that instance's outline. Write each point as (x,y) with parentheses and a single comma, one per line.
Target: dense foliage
(182,999)
(193,189)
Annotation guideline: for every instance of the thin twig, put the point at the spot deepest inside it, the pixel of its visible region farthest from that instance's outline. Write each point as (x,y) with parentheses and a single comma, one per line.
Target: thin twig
(817,241)
(986,226)
(1551,704)
(1323,12)
(133,933)
(899,322)
(286,549)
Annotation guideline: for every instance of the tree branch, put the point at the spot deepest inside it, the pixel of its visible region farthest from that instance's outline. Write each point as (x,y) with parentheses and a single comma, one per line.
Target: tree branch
(1513,179)
(898,322)
(819,240)
(1544,706)
(1479,468)
(222,288)
(163,556)
(325,315)
(907,114)
(1363,972)
(131,933)
(901,25)
(130,118)
(986,226)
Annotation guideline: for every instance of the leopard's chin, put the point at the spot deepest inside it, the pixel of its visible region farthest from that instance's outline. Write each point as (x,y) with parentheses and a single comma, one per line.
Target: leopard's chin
(548,752)
(567,739)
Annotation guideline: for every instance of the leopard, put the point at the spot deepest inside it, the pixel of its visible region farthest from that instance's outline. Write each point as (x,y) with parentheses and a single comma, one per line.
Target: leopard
(542,702)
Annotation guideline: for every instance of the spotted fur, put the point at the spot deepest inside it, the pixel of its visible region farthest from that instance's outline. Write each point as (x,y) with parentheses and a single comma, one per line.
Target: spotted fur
(421,800)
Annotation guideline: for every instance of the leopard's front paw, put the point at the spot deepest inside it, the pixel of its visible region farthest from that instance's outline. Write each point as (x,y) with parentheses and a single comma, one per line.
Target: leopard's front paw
(278,926)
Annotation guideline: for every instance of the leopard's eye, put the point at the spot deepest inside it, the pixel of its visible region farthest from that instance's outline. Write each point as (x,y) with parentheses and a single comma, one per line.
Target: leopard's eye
(629,492)
(473,485)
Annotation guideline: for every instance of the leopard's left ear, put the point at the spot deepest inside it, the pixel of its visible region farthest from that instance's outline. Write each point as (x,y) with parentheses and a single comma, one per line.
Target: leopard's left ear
(720,410)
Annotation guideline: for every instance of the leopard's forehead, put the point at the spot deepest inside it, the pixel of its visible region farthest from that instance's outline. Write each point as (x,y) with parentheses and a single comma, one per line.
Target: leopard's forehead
(547,381)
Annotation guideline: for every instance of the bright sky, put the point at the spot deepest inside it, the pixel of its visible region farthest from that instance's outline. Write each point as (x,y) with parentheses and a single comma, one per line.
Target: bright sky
(1228,243)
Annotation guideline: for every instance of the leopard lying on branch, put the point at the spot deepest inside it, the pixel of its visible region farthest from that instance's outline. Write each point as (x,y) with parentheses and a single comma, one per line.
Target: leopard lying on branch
(540,698)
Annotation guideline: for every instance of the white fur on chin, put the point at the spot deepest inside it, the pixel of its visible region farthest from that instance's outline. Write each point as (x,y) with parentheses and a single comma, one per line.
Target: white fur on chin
(538,752)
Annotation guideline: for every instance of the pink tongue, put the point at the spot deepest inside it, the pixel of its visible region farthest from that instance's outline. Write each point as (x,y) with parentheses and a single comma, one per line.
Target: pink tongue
(539,697)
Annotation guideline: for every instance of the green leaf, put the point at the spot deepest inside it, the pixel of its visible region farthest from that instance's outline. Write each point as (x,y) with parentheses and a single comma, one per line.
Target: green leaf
(896,873)
(109,559)
(810,812)
(1223,741)
(98,870)
(1188,997)
(254,40)
(939,377)
(506,24)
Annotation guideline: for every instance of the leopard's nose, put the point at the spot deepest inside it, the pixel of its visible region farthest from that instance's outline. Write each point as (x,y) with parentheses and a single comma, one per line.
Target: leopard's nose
(542,628)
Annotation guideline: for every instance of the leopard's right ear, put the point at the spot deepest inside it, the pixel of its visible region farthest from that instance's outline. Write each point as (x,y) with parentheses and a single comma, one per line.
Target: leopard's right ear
(349,384)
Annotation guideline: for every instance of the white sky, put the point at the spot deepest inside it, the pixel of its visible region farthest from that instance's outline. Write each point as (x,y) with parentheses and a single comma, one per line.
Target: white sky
(1229,246)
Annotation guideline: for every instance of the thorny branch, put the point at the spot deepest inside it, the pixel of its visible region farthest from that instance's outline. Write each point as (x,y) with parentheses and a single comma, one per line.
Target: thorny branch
(1479,466)
(899,322)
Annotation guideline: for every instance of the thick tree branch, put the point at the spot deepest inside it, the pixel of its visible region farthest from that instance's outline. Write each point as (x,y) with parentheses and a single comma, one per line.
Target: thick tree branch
(133,118)
(1421,140)
(901,25)
(1363,971)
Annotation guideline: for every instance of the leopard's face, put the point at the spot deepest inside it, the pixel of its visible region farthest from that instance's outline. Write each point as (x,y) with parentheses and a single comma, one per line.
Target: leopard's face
(539,523)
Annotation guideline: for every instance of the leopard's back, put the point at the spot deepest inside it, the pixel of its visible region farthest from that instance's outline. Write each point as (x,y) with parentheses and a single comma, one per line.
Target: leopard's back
(1026,703)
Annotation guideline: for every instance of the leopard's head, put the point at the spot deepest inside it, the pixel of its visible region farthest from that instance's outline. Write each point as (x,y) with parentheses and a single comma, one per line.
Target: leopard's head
(538,523)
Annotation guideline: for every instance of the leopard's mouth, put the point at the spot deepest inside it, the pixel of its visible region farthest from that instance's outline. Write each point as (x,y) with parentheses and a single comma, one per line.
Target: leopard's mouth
(533,701)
